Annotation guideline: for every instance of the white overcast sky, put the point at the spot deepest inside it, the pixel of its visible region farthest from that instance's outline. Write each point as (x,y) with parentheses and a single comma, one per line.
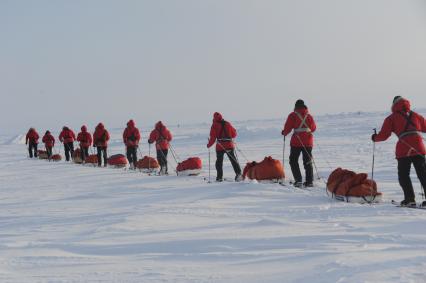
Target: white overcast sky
(74,62)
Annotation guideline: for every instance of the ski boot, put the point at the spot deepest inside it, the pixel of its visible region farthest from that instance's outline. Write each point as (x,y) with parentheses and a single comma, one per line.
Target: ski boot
(238,178)
(298,184)
(308,185)
(408,203)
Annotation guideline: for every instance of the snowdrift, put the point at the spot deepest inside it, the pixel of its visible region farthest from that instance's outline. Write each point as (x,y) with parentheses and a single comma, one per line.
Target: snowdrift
(117,161)
(189,167)
(147,164)
(267,170)
(348,186)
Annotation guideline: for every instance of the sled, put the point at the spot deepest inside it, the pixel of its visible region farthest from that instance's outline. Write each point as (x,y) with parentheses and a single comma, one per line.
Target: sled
(76,156)
(42,154)
(147,164)
(56,157)
(189,167)
(268,170)
(348,186)
(117,161)
(92,159)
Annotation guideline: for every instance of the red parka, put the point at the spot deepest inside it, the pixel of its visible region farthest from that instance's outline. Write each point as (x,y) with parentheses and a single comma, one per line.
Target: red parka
(303,125)
(84,137)
(67,135)
(221,132)
(161,136)
(407,126)
(100,136)
(32,136)
(131,135)
(48,139)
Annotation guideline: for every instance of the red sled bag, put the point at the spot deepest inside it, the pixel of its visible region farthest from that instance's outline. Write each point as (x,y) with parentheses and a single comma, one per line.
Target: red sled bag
(92,159)
(42,154)
(117,161)
(76,156)
(268,170)
(147,164)
(348,186)
(56,157)
(190,167)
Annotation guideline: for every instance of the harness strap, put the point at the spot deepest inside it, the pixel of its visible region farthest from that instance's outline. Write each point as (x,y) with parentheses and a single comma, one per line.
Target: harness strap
(303,128)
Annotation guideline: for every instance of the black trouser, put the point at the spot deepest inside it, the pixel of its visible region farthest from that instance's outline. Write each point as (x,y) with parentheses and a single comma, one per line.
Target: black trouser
(404,167)
(307,163)
(84,151)
(102,150)
(132,156)
(219,162)
(162,159)
(32,146)
(69,148)
(49,152)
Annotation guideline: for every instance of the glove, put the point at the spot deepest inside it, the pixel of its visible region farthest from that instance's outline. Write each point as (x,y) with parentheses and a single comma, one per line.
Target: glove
(373,137)
(282,133)
(149,141)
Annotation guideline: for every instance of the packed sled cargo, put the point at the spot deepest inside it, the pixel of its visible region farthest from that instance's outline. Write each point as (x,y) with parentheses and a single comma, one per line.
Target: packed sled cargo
(189,167)
(268,170)
(76,156)
(56,157)
(348,186)
(147,164)
(92,159)
(42,154)
(117,161)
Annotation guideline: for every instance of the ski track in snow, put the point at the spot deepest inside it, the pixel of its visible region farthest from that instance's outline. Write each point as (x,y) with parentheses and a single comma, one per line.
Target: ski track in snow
(63,222)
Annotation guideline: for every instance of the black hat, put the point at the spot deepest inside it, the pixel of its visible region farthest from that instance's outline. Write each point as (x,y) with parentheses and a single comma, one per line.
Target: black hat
(300,104)
(396,99)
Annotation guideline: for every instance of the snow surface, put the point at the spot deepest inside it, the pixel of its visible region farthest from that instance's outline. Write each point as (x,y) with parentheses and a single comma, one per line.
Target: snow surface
(63,222)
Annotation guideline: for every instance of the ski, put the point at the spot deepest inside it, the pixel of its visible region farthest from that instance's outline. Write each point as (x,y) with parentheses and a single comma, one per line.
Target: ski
(397,204)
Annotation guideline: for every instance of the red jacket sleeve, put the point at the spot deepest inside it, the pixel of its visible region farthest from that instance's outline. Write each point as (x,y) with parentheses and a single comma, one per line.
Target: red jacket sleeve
(152,136)
(422,123)
(138,135)
(125,136)
(212,138)
(289,125)
(27,138)
(169,136)
(107,135)
(385,132)
(61,136)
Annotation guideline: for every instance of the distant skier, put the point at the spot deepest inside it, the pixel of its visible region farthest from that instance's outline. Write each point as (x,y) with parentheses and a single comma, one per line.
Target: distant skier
(49,143)
(408,126)
(303,125)
(31,139)
(85,139)
(131,138)
(100,141)
(223,133)
(67,137)
(162,137)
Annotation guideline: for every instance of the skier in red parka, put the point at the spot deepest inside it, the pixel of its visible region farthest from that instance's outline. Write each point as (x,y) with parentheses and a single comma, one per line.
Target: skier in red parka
(408,126)
(223,133)
(49,143)
(131,138)
(31,139)
(303,125)
(162,137)
(67,137)
(100,141)
(85,139)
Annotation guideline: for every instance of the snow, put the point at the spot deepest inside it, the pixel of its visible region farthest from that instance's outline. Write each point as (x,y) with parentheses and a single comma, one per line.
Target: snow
(63,222)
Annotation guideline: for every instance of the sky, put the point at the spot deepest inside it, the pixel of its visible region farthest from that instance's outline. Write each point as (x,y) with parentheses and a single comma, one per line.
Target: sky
(82,62)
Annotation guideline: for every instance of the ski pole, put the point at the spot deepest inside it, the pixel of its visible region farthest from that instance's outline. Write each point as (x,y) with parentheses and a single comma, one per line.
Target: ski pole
(209,167)
(284,154)
(374,153)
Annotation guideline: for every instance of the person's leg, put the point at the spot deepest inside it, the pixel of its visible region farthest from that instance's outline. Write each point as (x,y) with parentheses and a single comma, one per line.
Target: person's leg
(294,163)
(307,164)
(99,153)
(404,166)
(129,155)
(135,156)
(219,164)
(105,156)
(67,152)
(165,153)
(234,162)
(420,166)
(49,152)
(71,147)
(35,150)
(30,150)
